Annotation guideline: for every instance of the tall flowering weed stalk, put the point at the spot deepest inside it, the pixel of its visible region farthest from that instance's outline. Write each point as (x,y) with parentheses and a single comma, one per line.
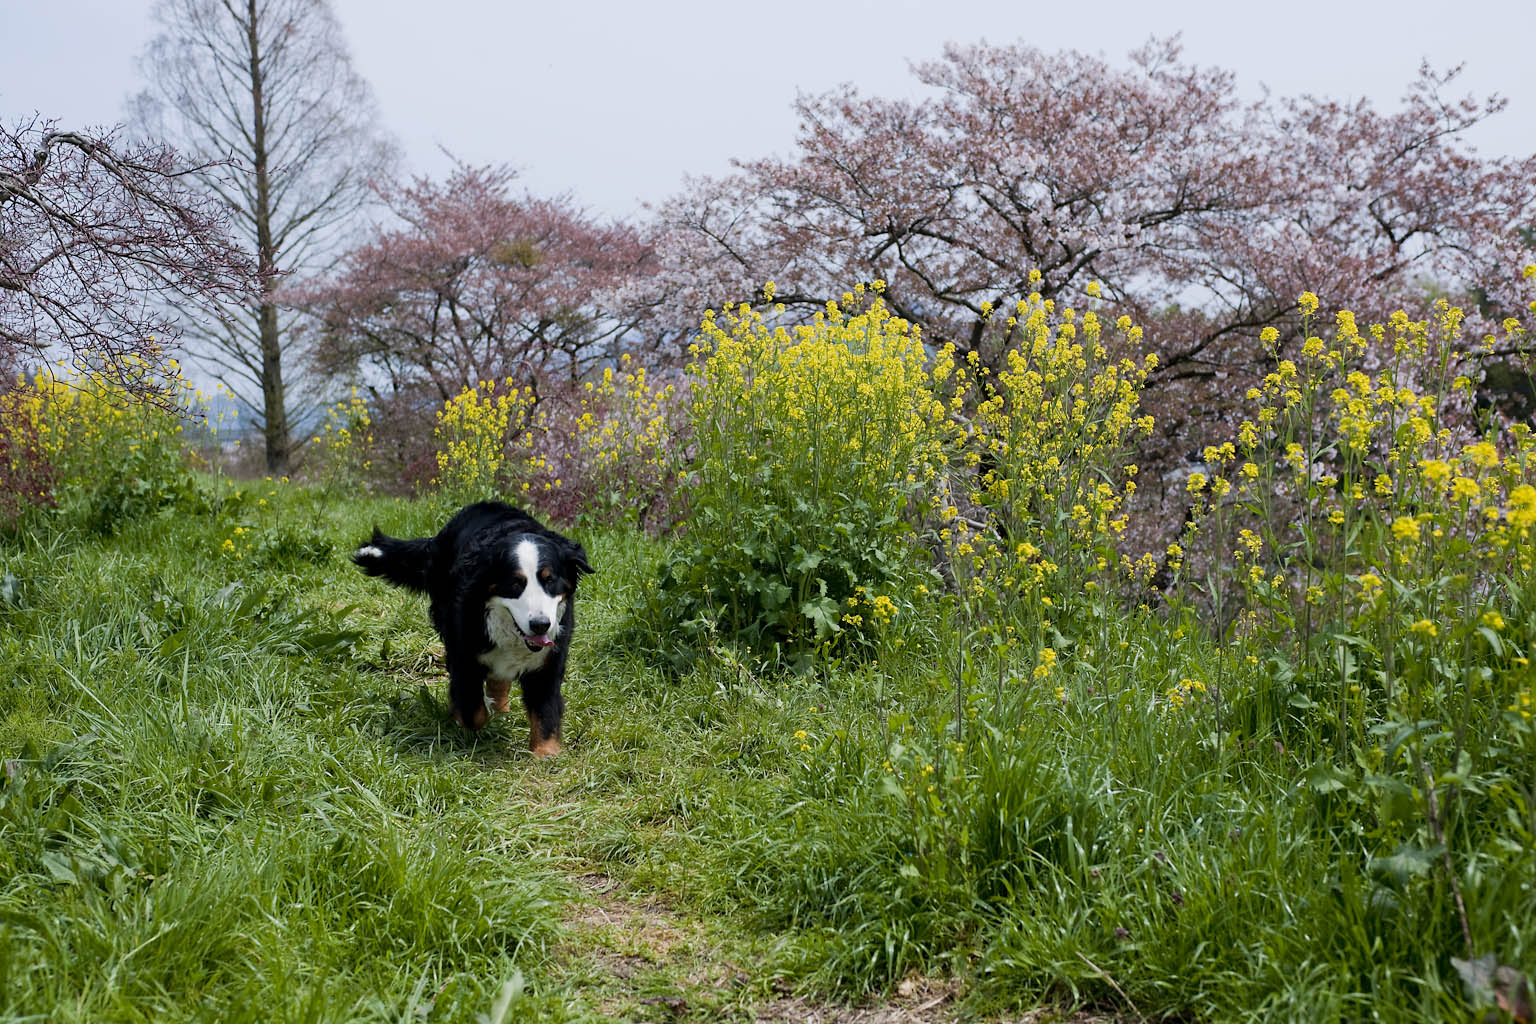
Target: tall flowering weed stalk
(1378,546)
(811,446)
(1050,447)
(488,443)
(627,438)
(343,450)
(112,456)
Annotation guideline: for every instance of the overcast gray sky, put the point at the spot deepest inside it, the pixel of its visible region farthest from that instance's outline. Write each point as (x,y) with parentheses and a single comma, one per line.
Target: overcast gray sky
(615,102)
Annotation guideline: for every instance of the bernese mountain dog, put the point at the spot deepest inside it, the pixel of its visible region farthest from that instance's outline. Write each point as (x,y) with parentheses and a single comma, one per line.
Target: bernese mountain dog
(503,593)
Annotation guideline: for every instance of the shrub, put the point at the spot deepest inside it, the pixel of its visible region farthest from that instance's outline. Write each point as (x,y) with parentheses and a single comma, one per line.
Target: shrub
(810,446)
(627,441)
(599,454)
(484,442)
(116,457)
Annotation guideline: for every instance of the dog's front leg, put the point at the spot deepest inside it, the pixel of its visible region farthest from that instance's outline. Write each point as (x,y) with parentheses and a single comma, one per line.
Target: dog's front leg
(498,694)
(466,695)
(546,708)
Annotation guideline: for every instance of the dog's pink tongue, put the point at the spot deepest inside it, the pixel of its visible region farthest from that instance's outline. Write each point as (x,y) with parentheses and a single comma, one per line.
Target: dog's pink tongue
(542,640)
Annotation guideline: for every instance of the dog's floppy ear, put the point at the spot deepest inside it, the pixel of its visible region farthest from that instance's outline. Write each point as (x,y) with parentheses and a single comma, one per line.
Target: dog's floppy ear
(576,560)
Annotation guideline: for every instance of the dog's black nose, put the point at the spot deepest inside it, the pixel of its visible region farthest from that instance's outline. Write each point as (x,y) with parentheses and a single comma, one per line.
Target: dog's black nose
(538,625)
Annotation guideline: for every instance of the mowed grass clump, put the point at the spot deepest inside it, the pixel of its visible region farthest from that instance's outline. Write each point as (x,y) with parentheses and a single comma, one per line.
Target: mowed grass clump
(214,807)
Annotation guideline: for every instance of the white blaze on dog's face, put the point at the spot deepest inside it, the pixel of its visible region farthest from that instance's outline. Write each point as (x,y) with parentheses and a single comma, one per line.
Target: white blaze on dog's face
(533,595)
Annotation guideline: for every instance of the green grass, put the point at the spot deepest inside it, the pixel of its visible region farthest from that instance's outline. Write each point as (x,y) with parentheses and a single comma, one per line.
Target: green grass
(232,791)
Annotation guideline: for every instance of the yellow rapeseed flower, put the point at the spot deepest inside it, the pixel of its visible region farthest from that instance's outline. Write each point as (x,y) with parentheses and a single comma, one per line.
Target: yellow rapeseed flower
(1046,662)
(1464,489)
(1483,455)
(1436,471)
(1522,506)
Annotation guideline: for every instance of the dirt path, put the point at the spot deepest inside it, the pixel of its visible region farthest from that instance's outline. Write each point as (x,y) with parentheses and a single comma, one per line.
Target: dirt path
(642,956)
(653,964)
(648,962)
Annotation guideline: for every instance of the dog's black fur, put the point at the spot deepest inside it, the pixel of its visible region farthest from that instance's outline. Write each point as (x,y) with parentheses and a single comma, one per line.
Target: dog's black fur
(474,574)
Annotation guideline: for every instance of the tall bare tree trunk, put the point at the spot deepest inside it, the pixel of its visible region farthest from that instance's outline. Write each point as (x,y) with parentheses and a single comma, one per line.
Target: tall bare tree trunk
(268,86)
(273,399)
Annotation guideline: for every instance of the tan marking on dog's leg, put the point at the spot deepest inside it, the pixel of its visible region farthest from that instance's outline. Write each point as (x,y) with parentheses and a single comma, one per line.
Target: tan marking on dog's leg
(541,743)
(498,690)
(477,719)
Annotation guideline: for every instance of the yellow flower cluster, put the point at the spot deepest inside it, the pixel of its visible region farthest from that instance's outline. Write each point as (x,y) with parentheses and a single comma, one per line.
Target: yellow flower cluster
(1046,662)
(1524,705)
(475,431)
(1050,441)
(814,449)
(624,432)
(84,421)
(1394,507)
(1185,693)
(841,406)
(882,608)
(345,442)
(238,544)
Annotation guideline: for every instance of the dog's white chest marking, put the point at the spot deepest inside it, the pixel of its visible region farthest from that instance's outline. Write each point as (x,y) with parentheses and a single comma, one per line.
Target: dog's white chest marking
(509,658)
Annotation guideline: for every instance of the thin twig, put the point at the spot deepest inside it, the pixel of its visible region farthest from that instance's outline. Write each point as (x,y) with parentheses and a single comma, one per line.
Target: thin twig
(1105,975)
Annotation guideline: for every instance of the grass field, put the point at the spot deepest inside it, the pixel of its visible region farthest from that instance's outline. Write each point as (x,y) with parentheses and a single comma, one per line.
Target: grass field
(904,721)
(232,792)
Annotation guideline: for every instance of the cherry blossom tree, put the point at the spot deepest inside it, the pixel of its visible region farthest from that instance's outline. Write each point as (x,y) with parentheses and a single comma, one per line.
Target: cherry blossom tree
(474,282)
(1201,216)
(95,236)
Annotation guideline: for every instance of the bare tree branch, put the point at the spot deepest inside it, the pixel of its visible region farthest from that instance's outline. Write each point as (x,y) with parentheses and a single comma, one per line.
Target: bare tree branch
(94,235)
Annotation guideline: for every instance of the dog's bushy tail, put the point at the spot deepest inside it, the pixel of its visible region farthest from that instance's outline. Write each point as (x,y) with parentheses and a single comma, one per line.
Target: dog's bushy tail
(405,563)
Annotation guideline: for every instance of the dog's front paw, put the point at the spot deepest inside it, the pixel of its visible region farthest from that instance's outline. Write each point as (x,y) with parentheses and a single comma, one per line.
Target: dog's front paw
(497,695)
(476,721)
